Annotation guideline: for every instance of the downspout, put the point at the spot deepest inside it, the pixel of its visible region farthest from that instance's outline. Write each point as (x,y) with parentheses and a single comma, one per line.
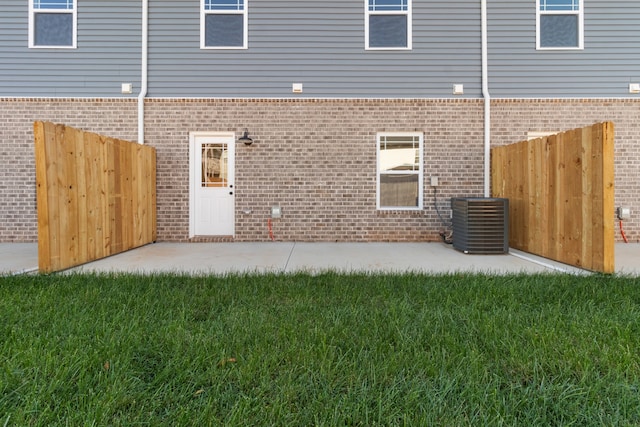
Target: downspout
(143,68)
(487,99)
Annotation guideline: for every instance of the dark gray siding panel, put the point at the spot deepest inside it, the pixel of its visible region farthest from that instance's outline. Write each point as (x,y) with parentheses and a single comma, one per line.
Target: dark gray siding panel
(319,44)
(606,66)
(107,54)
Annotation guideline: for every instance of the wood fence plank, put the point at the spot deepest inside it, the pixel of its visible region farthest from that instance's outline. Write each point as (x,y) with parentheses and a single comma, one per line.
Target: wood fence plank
(81,190)
(59,212)
(137,196)
(566,183)
(92,171)
(69,192)
(555,245)
(608,178)
(541,185)
(573,205)
(42,196)
(106,175)
(598,199)
(114,196)
(587,198)
(126,216)
(93,195)
(152,189)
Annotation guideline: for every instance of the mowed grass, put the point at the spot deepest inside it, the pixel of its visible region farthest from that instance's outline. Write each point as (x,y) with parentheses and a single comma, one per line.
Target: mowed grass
(326,350)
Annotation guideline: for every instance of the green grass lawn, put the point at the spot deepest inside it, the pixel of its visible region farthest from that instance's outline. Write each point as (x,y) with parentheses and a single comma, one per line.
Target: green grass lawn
(327,350)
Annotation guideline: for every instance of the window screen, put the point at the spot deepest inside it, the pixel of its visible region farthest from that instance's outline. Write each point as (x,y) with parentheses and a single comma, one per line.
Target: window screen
(224,24)
(388,24)
(559,24)
(52,23)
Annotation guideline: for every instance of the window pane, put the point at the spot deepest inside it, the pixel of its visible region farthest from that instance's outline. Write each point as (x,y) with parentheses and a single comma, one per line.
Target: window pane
(53,29)
(382,5)
(399,190)
(387,31)
(214,165)
(560,5)
(53,4)
(224,30)
(559,31)
(224,5)
(399,158)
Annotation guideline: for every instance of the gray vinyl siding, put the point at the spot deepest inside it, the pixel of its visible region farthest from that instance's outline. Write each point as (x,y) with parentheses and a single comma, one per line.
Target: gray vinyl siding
(107,54)
(604,69)
(321,45)
(318,44)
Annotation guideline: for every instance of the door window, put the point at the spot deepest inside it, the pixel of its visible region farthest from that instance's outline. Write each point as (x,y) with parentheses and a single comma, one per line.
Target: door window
(215,165)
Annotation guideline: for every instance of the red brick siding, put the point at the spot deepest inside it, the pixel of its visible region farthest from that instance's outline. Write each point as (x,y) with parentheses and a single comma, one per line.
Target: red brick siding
(18,214)
(512,119)
(315,158)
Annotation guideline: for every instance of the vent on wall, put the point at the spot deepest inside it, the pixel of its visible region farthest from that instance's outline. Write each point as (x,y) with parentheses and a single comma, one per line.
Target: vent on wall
(480,225)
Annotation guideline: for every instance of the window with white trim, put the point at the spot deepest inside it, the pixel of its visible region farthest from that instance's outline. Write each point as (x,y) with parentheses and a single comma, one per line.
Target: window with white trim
(52,23)
(400,171)
(223,24)
(559,24)
(388,24)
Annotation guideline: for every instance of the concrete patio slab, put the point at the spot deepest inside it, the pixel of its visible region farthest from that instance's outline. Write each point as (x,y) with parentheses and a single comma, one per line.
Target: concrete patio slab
(16,258)
(276,257)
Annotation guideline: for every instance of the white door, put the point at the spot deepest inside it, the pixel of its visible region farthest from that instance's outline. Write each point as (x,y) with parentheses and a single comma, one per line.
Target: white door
(212,191)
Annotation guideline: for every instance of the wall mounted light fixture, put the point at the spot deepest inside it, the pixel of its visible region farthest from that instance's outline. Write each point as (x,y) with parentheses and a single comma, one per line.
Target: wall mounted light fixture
(245,138)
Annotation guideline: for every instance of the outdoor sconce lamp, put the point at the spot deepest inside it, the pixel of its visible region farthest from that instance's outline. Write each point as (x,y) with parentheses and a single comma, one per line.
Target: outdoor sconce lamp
(245,138)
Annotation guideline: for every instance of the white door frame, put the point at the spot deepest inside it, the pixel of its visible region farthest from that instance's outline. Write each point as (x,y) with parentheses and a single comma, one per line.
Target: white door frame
(193,136)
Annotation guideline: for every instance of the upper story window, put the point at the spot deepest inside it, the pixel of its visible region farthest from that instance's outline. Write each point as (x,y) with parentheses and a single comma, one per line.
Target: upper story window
(400,172)
(560,24)
(52,23)
(223,24)
(388,24)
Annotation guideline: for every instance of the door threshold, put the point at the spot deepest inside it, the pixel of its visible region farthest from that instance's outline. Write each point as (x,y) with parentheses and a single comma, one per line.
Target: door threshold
(211,239)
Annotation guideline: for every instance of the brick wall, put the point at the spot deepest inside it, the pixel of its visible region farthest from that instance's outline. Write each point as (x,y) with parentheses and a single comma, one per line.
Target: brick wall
(18,214)
(511,120)
(315,158)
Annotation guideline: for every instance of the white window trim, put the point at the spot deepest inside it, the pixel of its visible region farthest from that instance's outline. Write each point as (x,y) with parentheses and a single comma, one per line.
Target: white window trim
(409,15)
(579,13)
(245,26)
(420,172)
(74,35)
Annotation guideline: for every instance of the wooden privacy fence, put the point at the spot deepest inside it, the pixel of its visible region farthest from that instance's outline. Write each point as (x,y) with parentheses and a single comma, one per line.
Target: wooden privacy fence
(561,195)
(96,195)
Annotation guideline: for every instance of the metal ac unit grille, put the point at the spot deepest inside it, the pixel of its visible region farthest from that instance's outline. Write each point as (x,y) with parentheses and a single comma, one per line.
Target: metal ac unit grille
(480,225)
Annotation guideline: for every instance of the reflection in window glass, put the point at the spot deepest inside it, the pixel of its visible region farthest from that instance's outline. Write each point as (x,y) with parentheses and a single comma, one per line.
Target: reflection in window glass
(400,171)
(214,165)
(53,29)
(559,4)
(558,31)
